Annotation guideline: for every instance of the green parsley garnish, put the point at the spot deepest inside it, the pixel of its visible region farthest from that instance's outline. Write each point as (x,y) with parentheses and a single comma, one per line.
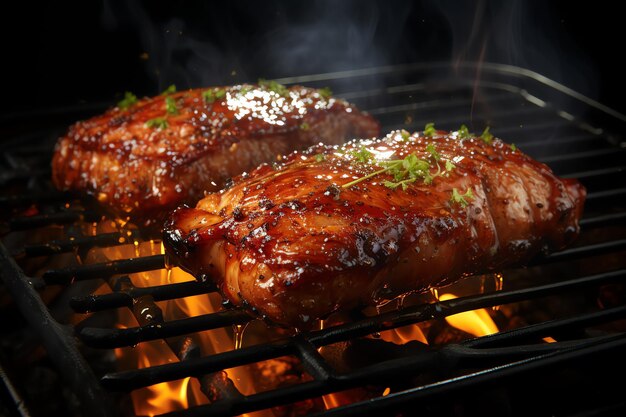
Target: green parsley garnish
(405,171)
(461,198)
(320,157)
(433,152)
(513,147)
(169,90)
(429,130)
(405,135)
(362,155)
(157,122)
(245,90)
(128,100)
(463,132)
(487,137)
(271,85)
(304,126)
(209,96)
(325,92)
(170,105)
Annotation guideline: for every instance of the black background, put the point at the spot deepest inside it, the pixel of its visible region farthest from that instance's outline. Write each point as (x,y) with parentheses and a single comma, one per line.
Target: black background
(73,53)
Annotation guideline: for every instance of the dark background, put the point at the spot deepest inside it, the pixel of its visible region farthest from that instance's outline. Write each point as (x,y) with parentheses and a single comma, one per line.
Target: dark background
(80,53)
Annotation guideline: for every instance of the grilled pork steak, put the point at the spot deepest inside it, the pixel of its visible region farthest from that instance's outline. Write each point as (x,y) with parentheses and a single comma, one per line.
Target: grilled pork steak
(340,227)
(145,157)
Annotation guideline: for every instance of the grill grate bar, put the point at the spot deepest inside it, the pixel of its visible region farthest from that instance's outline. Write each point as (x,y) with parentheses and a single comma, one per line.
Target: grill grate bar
(105,338)
(438,104)
(597,195)
(611,171)
(600,197)
(461,118)
(84,242)
(580,251)
(577,155)
(548,328)
(137,378)
(41,220)
(92,303)
(530,130)
(65,276)
(261,400)
(562,141)
(22,200)
(22,175)
(602,220)
(312,360)
(455,121)
(405,91)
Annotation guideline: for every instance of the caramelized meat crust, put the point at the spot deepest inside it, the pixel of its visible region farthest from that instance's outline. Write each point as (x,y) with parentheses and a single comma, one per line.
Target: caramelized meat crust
(160,152)
(331,229)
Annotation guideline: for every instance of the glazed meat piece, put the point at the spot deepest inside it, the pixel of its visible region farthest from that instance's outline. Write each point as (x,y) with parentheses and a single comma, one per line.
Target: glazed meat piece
(336,228)
(145,157)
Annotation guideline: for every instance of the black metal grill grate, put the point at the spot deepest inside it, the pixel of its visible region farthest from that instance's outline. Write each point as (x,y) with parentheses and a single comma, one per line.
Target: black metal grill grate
(575,136)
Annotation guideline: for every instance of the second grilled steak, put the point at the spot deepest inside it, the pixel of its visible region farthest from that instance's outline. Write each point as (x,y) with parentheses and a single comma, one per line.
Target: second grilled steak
(336,228)
(144,157)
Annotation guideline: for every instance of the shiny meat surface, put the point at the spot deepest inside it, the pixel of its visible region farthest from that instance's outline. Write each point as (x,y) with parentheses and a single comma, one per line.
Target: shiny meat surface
(337,228)
(147,157)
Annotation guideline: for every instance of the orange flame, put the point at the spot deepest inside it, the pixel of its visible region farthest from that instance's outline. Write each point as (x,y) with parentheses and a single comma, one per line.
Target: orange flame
(332,401)
(476,322)
(164,396)
(404,334)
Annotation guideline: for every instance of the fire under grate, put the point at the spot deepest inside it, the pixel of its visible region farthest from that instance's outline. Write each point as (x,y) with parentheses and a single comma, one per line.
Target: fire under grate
(575,136)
